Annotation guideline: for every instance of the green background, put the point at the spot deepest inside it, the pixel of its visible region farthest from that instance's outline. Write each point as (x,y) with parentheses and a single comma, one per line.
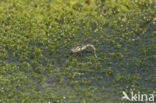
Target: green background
(37,66)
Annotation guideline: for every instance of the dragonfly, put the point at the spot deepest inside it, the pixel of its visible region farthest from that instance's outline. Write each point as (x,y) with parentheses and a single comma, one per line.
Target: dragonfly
(83,47)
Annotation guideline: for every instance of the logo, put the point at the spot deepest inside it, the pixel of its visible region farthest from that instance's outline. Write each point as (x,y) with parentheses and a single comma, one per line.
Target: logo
(138,97)
(125,96)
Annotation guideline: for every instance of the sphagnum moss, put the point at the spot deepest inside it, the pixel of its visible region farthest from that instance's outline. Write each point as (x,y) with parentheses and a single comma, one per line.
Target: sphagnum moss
(36,64)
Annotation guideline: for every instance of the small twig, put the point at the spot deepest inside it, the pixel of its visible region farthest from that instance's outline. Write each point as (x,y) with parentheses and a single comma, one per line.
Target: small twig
(83,47)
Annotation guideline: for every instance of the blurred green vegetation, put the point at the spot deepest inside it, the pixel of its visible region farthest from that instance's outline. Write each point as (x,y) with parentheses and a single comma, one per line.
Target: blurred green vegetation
(36,65)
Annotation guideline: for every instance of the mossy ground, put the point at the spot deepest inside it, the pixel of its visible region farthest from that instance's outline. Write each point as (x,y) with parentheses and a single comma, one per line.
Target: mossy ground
(37,66)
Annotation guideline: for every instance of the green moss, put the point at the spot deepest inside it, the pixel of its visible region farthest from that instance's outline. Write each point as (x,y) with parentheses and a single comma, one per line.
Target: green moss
(37,66)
